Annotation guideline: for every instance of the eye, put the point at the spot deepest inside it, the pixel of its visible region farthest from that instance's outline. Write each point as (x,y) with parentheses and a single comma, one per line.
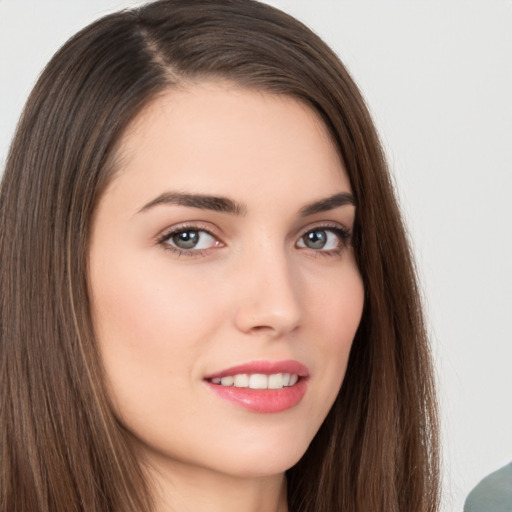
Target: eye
(325,239)
(188,240)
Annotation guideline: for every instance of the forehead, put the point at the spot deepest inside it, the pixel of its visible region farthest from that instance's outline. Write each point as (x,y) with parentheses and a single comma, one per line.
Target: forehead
(223,139)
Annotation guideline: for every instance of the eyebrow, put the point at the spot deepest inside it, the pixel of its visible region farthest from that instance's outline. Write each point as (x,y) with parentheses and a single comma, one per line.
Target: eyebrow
(201,201)
(329,203)
(225,205)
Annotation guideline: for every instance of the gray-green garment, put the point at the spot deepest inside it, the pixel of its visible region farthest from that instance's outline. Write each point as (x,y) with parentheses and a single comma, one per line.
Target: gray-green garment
(493,493)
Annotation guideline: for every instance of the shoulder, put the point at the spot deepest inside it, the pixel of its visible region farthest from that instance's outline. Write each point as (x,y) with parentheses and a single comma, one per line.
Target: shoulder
(493,493)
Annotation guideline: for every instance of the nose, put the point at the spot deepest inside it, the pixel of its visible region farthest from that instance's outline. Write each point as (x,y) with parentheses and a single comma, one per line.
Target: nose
(268,296)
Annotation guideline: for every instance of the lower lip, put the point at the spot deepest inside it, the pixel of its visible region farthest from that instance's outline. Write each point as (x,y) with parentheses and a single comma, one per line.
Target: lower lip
(262,400)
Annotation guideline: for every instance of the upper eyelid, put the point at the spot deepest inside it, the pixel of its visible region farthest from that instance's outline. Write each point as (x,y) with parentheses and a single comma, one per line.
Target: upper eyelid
(333,225)
(340,231)
(184,226)
(327,227)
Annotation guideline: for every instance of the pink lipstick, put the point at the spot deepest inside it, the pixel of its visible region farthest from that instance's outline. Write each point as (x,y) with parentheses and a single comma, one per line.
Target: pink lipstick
(261,386)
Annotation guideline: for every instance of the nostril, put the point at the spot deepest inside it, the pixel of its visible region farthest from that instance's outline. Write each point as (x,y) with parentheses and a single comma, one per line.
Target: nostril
(259,328)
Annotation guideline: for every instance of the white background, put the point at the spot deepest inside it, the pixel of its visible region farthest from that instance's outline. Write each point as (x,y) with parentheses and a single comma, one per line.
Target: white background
(438,78)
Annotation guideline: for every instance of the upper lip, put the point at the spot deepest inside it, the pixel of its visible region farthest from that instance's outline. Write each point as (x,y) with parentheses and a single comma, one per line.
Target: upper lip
(263,367)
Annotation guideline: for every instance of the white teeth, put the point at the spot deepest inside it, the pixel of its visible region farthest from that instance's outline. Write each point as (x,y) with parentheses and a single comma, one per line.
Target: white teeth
(242,380)
(258,380)
(227,381)
(275,381)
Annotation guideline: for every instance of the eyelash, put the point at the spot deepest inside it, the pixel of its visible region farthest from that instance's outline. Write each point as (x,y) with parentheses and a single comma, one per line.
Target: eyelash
(183,228)
(344,235)
(344,239)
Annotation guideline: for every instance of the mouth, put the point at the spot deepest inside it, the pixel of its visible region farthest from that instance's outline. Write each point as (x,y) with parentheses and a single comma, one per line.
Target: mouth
(261,386)
(257,380)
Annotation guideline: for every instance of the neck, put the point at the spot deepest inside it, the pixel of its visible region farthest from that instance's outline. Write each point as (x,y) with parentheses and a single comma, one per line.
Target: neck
(183,489)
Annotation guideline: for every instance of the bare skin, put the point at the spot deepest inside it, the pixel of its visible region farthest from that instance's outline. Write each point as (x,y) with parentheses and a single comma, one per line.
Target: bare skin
(224,240)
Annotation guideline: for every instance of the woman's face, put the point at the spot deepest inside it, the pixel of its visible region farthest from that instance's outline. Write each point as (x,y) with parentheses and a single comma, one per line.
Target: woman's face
(224,287)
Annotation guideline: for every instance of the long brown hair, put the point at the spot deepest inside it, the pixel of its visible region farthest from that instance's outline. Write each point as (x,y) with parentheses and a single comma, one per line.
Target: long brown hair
(61,447)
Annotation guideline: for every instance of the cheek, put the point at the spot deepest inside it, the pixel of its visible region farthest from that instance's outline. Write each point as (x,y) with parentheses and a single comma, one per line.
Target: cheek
(148,309)
(152,329)
(151,337)
(337,309)
(335,313)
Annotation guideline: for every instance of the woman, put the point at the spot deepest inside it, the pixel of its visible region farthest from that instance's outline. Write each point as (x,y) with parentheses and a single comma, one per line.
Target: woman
(208,300)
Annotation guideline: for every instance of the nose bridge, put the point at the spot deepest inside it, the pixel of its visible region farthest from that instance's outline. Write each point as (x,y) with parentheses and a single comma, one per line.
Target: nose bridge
(269,296)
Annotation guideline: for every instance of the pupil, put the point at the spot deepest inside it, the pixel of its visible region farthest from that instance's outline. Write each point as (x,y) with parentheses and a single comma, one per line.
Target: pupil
(316,239)
(186,239)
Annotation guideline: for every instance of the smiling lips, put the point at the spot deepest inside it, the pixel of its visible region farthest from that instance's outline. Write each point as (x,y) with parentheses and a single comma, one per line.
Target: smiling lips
(262,386)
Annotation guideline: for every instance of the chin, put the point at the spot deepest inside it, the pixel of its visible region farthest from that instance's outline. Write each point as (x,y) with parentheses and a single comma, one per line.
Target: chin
(266,457)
